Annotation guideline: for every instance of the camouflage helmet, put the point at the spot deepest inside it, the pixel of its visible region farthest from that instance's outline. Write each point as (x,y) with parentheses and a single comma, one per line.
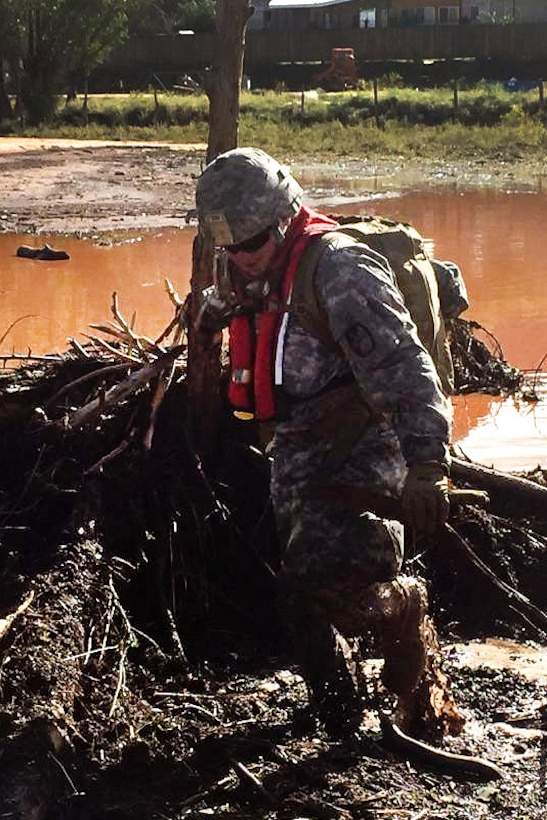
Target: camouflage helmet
(244,192)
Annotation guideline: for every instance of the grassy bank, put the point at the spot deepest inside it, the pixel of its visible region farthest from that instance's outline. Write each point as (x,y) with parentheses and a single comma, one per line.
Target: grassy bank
(484,121)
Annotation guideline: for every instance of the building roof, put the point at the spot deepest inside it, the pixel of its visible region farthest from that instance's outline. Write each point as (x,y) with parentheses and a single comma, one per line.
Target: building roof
(304,4)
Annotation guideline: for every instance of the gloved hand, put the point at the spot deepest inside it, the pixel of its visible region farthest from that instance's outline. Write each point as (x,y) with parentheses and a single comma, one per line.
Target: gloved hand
(425,497)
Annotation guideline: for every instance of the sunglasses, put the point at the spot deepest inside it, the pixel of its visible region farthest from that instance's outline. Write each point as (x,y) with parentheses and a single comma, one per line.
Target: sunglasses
(250,245)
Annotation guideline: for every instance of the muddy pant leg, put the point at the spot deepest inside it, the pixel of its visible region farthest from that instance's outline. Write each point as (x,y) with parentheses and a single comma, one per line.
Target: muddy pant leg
(412,655)
(398,612)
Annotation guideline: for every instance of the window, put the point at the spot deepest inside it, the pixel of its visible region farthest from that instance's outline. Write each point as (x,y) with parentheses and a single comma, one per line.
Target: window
(367,18)
(449,14)
(425,15)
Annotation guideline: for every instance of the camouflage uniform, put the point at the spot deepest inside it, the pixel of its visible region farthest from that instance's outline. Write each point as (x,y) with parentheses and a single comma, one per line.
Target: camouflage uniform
(337,561)
(340,567)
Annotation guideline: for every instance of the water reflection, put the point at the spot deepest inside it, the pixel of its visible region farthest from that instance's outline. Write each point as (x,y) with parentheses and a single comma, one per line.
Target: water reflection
(497,239)
(504,433)
(51,301)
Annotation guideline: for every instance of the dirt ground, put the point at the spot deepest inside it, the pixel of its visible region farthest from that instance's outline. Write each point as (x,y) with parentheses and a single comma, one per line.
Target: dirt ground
(50,185)
(105,714)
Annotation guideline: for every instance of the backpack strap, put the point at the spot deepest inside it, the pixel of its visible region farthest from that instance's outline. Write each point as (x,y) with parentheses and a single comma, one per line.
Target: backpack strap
(304,302)
(345,412)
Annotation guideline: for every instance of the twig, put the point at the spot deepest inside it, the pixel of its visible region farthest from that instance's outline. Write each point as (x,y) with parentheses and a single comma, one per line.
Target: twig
(159,392)
(179,323)
(420,815)
(107,370)
(199,796)
(111,349)
(6,623)
(124,325)
(201,709)
(247,776)
(79,348)
(108,626)
(28,357)
(75,792)
(88,653)
(172,293)
(121,448)
(178,320)
(121,610)
(527,493)
(122,336)
(120,683)
(16,322)
(175,636)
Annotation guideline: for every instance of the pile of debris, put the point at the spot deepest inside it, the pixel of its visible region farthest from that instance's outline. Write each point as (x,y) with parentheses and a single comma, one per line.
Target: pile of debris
(138,601)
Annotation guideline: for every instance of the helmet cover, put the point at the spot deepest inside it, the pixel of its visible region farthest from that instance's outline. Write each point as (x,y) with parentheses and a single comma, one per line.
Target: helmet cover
(244,192)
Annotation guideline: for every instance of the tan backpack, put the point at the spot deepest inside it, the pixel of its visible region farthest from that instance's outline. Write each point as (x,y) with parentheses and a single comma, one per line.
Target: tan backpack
(404,249)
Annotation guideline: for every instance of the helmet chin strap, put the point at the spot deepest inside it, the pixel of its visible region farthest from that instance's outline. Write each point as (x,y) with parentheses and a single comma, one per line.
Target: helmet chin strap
(279,231)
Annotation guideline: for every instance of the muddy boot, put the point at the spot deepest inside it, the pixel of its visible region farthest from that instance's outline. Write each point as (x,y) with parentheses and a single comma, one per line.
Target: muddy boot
(333,690)
(326,664)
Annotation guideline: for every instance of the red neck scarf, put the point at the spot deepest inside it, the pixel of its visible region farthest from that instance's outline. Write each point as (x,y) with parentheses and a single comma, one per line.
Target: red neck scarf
(252,348)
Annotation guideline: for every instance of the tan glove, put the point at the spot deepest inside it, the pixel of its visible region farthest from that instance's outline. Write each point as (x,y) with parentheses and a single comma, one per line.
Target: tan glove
(425,497)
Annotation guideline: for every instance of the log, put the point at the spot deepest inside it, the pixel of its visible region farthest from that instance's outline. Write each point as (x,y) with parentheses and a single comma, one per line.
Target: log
(122,391)
(503,488)
(46,253)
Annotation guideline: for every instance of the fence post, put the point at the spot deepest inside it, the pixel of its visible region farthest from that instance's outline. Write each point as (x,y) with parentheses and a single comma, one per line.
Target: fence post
(156,107)
(541,90)
(375,90)
(456,100)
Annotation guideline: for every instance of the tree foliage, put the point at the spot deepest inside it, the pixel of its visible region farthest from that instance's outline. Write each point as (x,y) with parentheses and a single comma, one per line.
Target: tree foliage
(49,41)
(168,16)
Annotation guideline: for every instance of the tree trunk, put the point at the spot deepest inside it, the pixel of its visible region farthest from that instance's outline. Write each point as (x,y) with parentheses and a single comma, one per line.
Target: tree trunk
(225,82)
(40,68)
(203,376)
(5,105)
(204,398)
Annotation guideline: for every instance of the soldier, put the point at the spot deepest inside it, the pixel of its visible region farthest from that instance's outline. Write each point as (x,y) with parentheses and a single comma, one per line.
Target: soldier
(367,411)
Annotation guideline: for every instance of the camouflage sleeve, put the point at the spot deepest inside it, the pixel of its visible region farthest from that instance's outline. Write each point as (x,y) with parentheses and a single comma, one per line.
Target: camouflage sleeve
(373,328)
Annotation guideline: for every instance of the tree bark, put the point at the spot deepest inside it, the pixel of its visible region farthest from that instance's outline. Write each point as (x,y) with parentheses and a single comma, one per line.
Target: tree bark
(225,79)
(223,87)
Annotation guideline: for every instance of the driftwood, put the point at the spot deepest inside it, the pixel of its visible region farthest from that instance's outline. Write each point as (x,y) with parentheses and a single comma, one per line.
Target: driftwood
(531,498)
(46,253)
(122,391)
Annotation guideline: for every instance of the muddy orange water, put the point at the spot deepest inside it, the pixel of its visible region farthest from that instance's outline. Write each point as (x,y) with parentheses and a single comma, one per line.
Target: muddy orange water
(497,238)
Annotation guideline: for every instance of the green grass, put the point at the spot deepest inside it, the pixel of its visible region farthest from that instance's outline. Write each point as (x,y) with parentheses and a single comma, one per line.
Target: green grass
(489,121)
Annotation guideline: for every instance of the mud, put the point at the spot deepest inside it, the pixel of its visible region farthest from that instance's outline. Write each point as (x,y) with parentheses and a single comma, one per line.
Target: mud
(82,187)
